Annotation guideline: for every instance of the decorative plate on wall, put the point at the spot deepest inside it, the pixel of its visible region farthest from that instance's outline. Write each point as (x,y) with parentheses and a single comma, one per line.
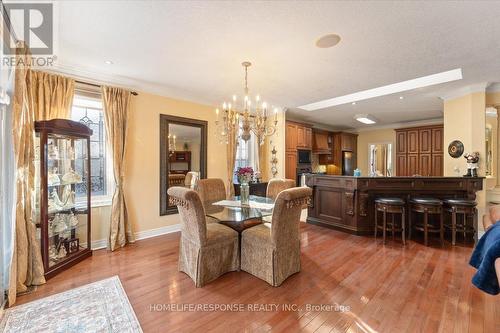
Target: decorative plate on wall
(456,149)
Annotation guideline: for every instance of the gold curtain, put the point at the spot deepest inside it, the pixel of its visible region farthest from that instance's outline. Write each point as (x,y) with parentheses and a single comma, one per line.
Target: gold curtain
(231,147)
(50,94)
(116,109)
(26,268)
(263,167)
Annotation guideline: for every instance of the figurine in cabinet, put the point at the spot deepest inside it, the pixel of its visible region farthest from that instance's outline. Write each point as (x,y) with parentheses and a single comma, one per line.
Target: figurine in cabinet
(63,193)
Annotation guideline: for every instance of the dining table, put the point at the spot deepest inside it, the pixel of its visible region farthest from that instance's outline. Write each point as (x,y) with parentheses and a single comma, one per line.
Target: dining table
(238,216)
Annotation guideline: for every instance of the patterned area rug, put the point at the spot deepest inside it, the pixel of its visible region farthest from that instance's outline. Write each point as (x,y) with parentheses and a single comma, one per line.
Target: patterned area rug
(101,306)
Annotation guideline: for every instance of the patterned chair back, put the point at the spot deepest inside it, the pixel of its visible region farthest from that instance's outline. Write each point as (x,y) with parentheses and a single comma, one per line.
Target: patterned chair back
(275,186)
(211,189)
(193,220)
(286,215)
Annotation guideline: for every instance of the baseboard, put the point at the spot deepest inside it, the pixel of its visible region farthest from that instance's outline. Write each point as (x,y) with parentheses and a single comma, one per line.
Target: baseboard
(103,243)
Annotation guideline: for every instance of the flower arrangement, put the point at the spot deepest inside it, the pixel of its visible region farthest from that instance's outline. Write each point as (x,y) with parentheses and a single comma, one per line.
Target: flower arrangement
(244,174)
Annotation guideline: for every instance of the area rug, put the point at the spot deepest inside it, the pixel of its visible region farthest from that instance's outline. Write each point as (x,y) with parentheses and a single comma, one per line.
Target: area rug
(101,306)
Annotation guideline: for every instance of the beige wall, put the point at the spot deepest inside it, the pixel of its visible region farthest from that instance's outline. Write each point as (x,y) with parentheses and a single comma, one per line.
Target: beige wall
(375,136)
(464,120)
(142,164)
(277,140)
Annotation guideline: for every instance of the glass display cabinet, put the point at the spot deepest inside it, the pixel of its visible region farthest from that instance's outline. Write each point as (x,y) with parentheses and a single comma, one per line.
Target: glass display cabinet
(62,193)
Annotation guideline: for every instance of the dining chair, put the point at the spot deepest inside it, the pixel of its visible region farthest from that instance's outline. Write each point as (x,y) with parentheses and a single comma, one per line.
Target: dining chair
(271,251)
(211,189)
(275,186)
(206,251)
(191,179)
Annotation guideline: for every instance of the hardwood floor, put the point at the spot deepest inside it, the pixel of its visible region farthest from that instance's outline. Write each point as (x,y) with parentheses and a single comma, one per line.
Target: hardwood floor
(387,288)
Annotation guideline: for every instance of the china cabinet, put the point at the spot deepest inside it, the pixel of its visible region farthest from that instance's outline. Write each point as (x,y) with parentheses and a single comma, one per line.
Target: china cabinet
(62,193)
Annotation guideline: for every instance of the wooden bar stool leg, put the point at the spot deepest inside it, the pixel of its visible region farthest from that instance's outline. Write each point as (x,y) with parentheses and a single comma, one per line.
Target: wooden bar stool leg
(426,216)
(441,227)
(393,227)
(453,225)
(384,223)
(409,223)
(465,227)
(376,224)
(403,226)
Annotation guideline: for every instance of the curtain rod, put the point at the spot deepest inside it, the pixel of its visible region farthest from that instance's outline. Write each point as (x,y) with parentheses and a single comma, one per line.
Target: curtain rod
(99,86)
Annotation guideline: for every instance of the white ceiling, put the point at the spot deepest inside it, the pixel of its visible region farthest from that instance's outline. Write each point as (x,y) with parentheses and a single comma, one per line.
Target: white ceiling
(193,50)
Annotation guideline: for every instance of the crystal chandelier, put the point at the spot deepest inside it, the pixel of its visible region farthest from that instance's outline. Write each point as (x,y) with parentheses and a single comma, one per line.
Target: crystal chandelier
(251,120)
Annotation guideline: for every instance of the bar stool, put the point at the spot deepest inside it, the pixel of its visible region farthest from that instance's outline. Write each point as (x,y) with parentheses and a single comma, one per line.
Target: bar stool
(465,207)
(392,206)
(427,206)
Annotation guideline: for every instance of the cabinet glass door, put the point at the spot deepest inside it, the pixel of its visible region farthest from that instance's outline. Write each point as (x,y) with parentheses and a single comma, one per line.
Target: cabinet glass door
(67,196)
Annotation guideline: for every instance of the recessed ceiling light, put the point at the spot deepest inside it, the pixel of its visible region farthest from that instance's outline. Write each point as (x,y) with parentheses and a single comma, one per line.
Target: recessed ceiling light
(353,103)
(108,62)
(365,119)
(401,97)
(327,41)
(424,81)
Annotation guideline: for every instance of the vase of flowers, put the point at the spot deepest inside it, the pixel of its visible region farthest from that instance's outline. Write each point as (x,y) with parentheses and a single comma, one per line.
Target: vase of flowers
(244,175)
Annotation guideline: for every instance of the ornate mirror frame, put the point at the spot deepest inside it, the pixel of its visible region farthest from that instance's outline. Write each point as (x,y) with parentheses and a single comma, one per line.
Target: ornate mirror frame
(165,120)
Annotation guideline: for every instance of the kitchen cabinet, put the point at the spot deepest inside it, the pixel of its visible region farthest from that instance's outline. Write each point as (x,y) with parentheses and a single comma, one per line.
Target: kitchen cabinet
(338,143)
(419,151)
(401,139)
(401,164)
(291,165)
(348,141)
(298,136)
(308,140)
(291,136)
(437,141)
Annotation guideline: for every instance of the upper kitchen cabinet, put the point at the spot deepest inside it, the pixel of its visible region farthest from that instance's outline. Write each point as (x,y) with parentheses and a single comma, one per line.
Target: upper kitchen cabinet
(419,151)
(349,141)
(291,136)
(298,136)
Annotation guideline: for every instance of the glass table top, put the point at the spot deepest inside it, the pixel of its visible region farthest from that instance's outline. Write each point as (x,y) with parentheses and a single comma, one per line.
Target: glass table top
(239,218)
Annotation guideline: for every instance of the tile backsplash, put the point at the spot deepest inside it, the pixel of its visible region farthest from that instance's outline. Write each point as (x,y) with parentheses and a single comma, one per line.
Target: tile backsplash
(316,167)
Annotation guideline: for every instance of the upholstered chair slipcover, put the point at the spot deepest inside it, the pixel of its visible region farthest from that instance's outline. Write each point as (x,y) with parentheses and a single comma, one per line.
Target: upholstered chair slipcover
(211,189)
(275,186)
(191,178)
(271,252)
(206,251)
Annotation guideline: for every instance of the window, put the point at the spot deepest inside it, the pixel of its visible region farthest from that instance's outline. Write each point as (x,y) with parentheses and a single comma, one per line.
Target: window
(246,155)
(89,111)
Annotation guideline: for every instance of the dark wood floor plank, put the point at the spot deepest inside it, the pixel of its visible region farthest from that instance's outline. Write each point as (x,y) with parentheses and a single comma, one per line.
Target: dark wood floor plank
(388,288)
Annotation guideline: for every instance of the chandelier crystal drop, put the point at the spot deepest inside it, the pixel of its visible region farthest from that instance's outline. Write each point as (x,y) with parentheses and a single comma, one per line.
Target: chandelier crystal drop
(249,117)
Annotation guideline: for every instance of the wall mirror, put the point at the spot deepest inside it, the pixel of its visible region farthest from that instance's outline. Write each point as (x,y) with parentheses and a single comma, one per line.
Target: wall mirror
(380,159)
(183,155)
(491,141)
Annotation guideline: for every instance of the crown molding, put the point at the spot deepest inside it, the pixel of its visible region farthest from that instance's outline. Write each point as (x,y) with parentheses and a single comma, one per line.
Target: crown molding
(478,87)
(425,122)
(102,78)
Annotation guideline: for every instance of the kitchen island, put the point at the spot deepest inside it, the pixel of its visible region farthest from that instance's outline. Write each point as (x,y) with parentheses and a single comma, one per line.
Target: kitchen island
(347,203)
